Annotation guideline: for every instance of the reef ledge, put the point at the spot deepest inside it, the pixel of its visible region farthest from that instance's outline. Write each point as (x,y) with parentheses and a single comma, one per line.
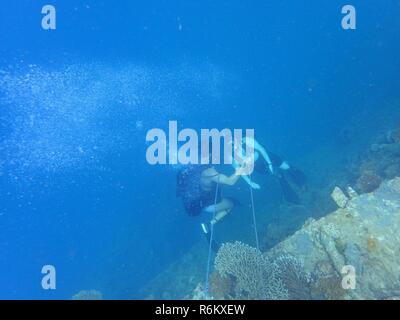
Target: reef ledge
(363,235)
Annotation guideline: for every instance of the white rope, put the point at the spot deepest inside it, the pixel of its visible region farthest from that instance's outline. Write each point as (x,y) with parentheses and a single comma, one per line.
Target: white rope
(254,217)
(206,289)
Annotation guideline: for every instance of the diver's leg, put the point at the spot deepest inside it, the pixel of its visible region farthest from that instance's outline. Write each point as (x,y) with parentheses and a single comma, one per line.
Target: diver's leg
(219,216)
(221,210)
(224,204)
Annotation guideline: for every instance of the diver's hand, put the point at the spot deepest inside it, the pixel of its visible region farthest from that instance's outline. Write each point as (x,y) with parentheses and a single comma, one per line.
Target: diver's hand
(244,170)
(255,185)
(248,161)
(246,167)
(240,171)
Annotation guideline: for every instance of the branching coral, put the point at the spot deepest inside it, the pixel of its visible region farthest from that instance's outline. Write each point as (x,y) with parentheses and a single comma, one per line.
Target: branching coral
(295,279)
(256,276)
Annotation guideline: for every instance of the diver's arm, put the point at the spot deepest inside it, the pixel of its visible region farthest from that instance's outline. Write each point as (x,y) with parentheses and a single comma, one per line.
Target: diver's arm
(251,183)
(231,180)
(263,152)
(246,178)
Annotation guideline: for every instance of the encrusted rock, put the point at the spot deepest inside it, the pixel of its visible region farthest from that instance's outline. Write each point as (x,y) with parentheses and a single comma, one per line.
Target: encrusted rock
(339,197)
(199,293)
(369,242)
(368,182)
(352,193)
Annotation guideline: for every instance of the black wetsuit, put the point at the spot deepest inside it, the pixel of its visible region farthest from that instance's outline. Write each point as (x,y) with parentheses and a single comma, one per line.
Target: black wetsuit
(293,174)
(194,198)
(261,165)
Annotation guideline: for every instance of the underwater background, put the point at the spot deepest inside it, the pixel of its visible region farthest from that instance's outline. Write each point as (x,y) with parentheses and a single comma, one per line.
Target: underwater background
(76,103)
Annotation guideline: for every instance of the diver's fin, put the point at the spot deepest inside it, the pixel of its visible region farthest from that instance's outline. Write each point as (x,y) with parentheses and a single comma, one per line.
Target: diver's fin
(288,193)
(206,228)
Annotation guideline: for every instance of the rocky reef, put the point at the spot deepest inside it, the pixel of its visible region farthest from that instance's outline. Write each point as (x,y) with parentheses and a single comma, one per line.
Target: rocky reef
(312,263)
(381,161)
(365,235)
(179,279)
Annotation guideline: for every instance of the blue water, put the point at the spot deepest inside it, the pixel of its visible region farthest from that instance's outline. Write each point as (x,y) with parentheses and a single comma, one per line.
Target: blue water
(76,191)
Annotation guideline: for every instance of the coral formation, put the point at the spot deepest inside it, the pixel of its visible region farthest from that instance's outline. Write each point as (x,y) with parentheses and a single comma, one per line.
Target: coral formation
(368,182)
(221,287)
(260,277)
(255,275)
(381,161)
(294,278)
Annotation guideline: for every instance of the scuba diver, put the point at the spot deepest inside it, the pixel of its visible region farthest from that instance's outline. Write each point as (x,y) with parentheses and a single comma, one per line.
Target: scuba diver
(199,185)
(199,188)
(274,165)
